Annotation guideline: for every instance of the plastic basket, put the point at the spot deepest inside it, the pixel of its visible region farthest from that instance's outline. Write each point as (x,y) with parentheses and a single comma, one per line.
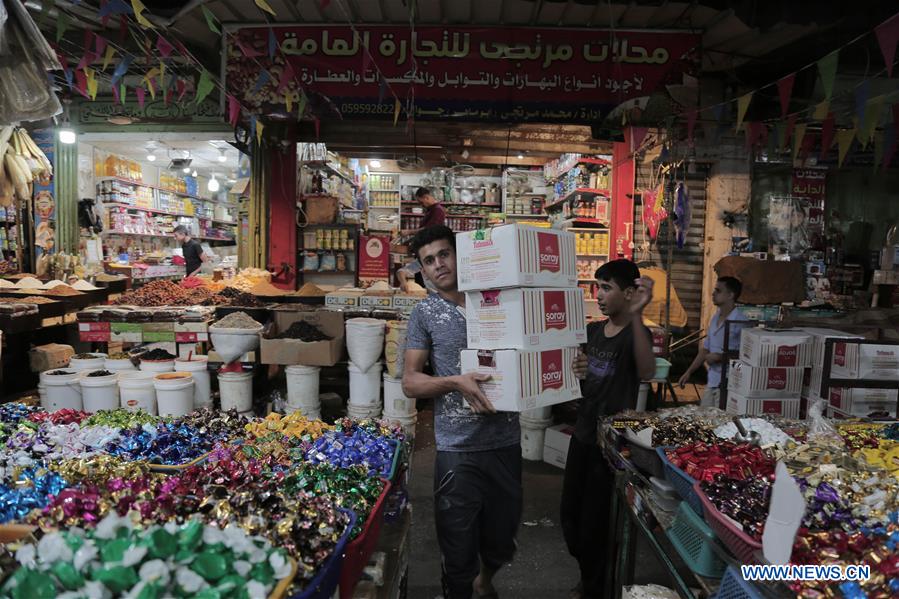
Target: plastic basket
(395,465)
(738,542)
(324,583)
(734,587)
(693,540)
(646,459)
(360,549)
(681,481)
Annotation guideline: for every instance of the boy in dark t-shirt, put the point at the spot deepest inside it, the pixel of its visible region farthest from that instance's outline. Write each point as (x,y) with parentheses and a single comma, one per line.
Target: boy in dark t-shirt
(619,356)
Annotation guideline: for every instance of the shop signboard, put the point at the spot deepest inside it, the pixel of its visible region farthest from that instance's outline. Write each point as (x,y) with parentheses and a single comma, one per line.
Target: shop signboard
(374,258)
(105,112)
(464,73)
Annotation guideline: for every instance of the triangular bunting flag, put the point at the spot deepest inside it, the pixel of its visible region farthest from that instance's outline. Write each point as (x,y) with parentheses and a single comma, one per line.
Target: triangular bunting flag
(396,111)
(245,48)
(873,110)
(821,110)
(262,4)
(121,68)
(787,135)
(151,85)
(798,138)
(91,83)
(287,75)
(272,43)
(691,123)
(204,86)
(861,99)
(323,4)
(827,131)
(114,7)
(211,21)
(141,93)
(99,45)
(808,143)
(69,75)
(887,36)
(139,9)
(742,106)
(784,91)
(123,92)
(115,94)
(181,87)
(890,140)
(844,142)
(167,96)
(827,68)
(260,81)
(161,74)
(164,47)
(233,110)
(301,106)
(81,82)
(259,128)
(62,25)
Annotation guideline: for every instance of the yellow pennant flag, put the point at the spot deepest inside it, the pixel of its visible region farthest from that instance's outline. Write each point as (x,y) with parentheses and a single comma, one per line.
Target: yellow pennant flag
(110,52)
(91,83)
(139,9)
(148,79)
(288,100)
(259,128)
(873,109)
(798,136)
(844,142)
(161,75)
(742,106)
(821,110)
(396,111)
(262,4)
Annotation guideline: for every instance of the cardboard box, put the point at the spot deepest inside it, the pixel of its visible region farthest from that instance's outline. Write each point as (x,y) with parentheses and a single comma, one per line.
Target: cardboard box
(93,327)
(515,256)
(555,445)
(126,332)
(874,408)
(525,318)
(94,336)
(294,351)
(50,356)
(759,382)
(818,337)
(383,302)
(854,361)
(766,347)
(158,327)
(191,332)
(405,302)
(739,405)
(159,336)
(525,380)
(343,299)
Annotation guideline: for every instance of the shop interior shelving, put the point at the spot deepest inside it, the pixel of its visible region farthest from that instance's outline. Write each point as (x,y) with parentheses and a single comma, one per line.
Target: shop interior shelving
(524,195)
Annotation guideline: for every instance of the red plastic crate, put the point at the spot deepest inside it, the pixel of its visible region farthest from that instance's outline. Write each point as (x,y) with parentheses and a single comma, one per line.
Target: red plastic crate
(740,544)
(360,549)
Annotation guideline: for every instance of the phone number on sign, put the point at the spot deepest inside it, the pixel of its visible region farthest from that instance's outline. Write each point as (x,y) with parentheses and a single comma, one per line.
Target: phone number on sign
(366,108)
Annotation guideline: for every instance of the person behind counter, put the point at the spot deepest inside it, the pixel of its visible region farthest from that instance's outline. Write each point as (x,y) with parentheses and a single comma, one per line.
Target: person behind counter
(194,257)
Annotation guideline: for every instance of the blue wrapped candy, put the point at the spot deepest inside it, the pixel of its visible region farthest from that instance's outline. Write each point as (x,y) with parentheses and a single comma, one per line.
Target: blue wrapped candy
(32,489)
(170,444)
(354,447)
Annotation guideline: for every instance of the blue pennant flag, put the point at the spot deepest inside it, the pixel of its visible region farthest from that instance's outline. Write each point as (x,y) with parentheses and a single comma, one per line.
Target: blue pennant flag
(263,79)
(115,7)
(272,43)
(121,69)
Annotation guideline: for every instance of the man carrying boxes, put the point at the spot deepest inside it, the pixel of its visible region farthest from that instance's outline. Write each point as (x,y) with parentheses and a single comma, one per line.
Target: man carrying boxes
(477,476)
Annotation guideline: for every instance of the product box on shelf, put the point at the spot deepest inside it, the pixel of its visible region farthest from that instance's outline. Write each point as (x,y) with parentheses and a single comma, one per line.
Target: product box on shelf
(126,332)
(740,405)
(846,398)
(50,356)
(406,302)
(555,444)
(343,299)
(525,318)
(864,361)
(308,353)
(191,332)
(884,407)
(759,381)
(515,256)
(94,332)
(818,339)
(766,347)
(525,380)
(382,302)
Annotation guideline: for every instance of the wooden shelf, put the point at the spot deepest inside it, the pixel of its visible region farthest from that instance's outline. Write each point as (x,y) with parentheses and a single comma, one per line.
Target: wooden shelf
(327,166)
(578,191)
(592,255)
(528,215)
(156,187)
(151,210)
(595,161)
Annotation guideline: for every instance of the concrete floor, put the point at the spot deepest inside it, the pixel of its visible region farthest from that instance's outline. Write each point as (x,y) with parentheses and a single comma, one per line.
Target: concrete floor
(542,569)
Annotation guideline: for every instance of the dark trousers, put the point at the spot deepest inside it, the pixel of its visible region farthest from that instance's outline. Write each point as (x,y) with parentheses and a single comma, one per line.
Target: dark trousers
(477,507)
(586,497)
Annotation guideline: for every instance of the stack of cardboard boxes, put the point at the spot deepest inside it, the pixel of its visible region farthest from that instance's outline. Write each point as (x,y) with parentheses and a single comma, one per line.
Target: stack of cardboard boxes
(524,312)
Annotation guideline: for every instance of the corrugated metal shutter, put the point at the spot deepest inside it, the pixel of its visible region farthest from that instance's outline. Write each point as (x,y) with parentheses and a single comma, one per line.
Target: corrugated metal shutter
(687,263)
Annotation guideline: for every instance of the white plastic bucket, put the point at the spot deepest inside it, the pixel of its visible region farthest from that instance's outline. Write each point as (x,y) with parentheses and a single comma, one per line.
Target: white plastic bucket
(396,404)
(61,390)
(236,391)
(537,415)
(395,346)
(136,391)
(302,387)
(533,436)
(309,413)
(198,367)
(365,386)
(99,392)
(94,363)
(157,365)
(364,341)
(362,412)
(119,365)
(174,393)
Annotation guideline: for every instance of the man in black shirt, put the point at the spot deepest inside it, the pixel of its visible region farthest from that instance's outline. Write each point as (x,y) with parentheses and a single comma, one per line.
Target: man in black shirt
(192,250)
(619,356)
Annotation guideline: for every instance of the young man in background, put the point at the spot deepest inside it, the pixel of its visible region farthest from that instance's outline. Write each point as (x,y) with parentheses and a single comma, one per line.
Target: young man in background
(619,357)
(192,250)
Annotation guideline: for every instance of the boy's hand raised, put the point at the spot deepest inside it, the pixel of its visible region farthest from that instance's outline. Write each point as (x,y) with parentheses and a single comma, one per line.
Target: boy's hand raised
(642,296)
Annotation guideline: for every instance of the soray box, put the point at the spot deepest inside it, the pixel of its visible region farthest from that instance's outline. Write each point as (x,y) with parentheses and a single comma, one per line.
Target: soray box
(765,347)
(739,405)
(845,398)
(818,338)
(515,256)
(759,381)
(854,361)
(524,380)
(525,318)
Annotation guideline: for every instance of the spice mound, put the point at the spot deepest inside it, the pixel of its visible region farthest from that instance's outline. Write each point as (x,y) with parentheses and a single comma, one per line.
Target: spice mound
(99,373)
(64,290)
(157,354)
(236,297)
(86,356)
(236,320)
(58,372)
(303,331)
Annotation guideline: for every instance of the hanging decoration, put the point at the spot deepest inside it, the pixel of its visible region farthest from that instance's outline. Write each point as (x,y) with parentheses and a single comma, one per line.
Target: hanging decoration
(827,68)
(844,142)
(107,57)
(204,86)
(742,106)
(683,213)
(139,8)
(784,91)
(263,5)
(211,21)
(654,209)
(887,34)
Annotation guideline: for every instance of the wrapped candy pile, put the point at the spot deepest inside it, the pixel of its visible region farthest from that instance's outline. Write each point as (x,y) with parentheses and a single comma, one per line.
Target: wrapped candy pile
(356,443)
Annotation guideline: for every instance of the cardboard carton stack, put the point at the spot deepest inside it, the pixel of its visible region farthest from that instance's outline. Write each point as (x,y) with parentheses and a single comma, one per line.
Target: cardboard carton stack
(525,315)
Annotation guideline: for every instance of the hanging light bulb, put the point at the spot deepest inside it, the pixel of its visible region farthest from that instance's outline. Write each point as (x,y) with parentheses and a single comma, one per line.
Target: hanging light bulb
(151,156)
(194,173)
(374,163)
(222,156)
(186,170)
(67,135)
(213,184)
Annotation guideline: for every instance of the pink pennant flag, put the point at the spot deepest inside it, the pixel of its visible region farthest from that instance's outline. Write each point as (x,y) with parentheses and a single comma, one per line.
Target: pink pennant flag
(233,110)
(88,40)
(100,43)
(691,124)
(115,94)
(887,36)
(182,88)
(81,82)
(828,128)
(287,75)
(245,48)
(164,47)
(141,93)
(784,91)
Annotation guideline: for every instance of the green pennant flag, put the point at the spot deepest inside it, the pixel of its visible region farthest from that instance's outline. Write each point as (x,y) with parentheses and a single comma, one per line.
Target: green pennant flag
(798,136)
(204,86)
(844,142)
(742,106)
(827,67)
(211,21)
(820,111)
(122,92)
(301,106)
(62,25)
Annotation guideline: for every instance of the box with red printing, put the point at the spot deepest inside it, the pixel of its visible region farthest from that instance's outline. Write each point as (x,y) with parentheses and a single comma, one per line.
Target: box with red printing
(524,380)
(515,256)
(758,382)
(555,444)
(865,361)
(93,336)
(740,405)
(525,318)
(873,406)
(93,327)
(818,337)
(766,347)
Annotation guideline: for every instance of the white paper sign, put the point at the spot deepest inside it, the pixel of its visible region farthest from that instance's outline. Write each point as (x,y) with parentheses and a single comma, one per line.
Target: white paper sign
(784,517)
